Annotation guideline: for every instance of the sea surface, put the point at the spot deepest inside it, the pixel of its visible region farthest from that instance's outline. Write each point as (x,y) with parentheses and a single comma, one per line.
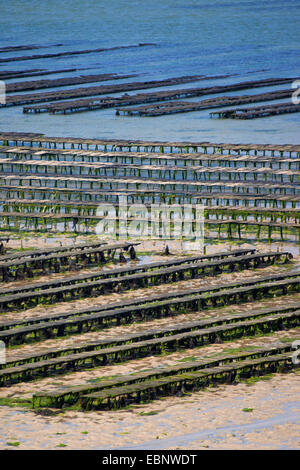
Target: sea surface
(249,40)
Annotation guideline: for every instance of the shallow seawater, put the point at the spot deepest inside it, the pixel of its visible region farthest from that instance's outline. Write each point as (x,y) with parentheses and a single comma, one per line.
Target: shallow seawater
(247,39)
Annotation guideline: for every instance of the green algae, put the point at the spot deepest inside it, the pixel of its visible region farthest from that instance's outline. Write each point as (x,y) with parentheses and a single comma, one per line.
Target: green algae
(15,402)
(188,359)
(14,443)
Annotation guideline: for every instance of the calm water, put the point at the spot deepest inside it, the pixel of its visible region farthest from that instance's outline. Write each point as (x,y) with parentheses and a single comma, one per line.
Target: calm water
(192,37)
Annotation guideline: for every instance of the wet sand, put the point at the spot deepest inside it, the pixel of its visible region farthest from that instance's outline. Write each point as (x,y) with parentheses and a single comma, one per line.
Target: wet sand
(265,415)
(261,415)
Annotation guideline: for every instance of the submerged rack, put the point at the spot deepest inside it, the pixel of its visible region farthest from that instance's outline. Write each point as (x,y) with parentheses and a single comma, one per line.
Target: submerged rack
(258,111)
